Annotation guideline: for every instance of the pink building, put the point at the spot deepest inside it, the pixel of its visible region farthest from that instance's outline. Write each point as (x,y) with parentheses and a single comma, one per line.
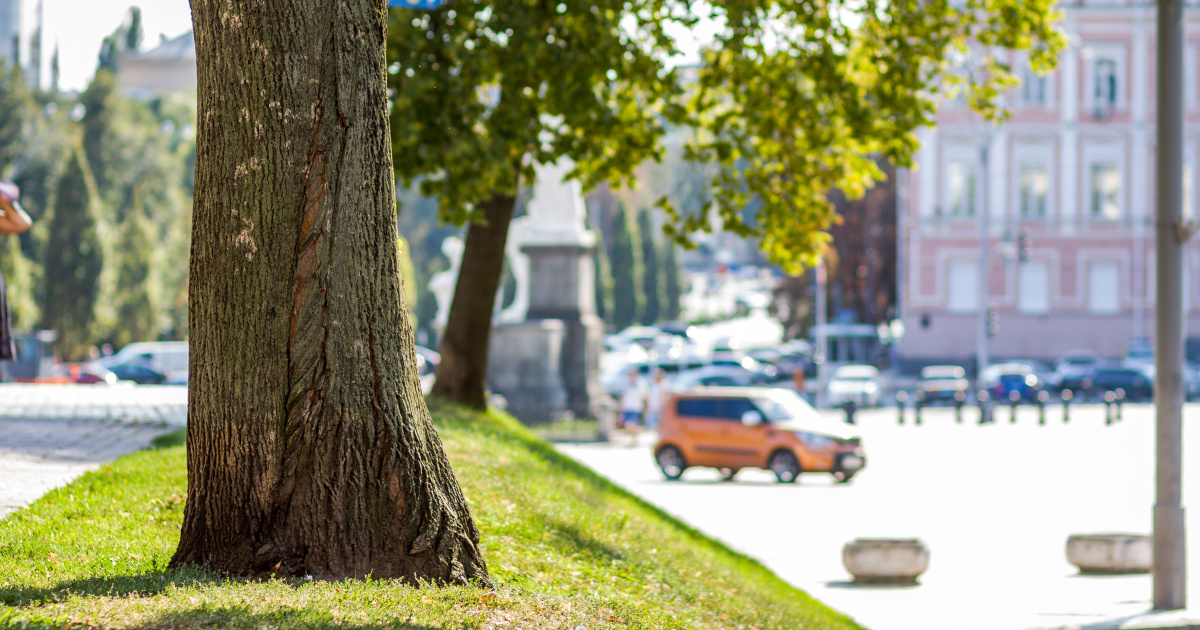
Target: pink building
(1073,171)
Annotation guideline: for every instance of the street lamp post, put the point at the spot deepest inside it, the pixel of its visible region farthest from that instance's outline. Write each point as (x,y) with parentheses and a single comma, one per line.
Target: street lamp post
(822,337)
(981,323)
(1168,560)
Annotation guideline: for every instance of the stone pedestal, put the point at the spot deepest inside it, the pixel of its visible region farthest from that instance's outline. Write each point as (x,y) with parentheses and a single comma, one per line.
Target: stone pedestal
(545,350)
(524,366)
(561,288)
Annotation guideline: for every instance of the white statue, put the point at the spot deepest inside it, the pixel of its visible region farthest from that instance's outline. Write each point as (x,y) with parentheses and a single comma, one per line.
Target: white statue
(518,263)
(554,215)
(557,214)
(442,283)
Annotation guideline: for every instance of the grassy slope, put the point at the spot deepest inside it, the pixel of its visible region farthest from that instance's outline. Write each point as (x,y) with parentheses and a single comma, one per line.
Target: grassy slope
(566,548)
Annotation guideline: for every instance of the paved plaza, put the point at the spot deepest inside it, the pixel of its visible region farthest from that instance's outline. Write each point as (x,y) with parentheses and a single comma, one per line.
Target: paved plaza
(995,504)
(51,434)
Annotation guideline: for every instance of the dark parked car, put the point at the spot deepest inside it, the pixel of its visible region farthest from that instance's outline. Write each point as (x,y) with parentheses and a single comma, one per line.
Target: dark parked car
(1003,379)
(1138,386)
(140,374)
(1076,367)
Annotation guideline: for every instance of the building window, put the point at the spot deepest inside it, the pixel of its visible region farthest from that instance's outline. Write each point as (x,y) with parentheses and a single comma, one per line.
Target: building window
(1033,297)
(1104,288)
(1105,187)
(1104,86)
(962,287)
(960,189)
(1035,185)
(1033,88)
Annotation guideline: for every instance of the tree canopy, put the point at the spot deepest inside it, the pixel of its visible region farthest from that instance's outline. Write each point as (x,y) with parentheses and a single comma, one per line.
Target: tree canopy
(789,100)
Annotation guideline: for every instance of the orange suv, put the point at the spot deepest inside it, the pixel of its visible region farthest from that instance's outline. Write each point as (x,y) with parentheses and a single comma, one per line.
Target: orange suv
(730,428)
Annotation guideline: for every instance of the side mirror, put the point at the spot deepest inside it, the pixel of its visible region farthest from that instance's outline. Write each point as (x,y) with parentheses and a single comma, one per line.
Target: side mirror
(752,418)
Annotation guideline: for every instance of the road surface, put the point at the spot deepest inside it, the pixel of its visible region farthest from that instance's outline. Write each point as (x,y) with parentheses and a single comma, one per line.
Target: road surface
(995,504)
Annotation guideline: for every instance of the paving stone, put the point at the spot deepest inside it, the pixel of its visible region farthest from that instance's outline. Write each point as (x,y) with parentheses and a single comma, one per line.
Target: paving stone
(51,434)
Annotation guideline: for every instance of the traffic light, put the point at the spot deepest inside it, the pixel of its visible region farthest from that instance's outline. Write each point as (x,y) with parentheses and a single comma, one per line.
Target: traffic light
(1023,246)
(993,322)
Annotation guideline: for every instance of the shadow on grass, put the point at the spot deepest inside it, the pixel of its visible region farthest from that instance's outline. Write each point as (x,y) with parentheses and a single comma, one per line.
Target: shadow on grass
(576,539)
(233,617)
(241,617)
(151,583)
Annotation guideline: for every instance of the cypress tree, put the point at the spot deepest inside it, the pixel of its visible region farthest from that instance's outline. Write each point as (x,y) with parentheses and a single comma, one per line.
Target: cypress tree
(19,276)
(408,275)
(137,306)
(17,114)
(627,274)
(602,284)
(672,282)
(651,308)
(74,260)
(101,103)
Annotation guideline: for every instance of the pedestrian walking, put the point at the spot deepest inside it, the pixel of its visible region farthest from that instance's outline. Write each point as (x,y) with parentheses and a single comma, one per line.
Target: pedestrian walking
(13,220)
(656,399)
(633,404)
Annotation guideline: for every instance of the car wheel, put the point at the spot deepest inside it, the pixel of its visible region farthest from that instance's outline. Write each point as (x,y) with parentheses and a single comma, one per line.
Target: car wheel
(727,474)
(671,462)
(785,466)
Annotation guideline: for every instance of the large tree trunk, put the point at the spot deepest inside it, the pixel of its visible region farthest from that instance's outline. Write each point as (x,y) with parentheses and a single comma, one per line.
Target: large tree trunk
(310,449)
(462,374)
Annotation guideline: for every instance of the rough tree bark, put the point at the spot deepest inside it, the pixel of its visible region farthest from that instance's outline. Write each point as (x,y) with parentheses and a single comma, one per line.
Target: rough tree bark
(310,449)
(462,373)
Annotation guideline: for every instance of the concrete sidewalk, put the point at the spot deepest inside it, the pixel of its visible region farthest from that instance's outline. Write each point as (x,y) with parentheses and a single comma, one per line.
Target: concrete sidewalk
(51,434)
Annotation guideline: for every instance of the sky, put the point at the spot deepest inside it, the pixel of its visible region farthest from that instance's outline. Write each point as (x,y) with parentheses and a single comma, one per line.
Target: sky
(80,26)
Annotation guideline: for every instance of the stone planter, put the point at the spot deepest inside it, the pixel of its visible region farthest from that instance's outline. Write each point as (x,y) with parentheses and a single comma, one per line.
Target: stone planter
(885,560)
(1109,553)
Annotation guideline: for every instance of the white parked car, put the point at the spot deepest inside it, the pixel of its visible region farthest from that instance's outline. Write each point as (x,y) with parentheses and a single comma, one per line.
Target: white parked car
(166,357)
(854,383)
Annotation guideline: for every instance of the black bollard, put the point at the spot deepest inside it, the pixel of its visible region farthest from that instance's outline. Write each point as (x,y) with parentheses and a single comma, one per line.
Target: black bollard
(1014,397)
(849,407)
(1067,396)
(917,405)
(959,399)
(1120,395)
(985,409)
(901,399)
(1109,399)
(1042,398)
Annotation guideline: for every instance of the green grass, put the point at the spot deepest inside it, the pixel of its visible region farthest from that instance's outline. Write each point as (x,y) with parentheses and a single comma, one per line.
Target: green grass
(566,548)
(568,430)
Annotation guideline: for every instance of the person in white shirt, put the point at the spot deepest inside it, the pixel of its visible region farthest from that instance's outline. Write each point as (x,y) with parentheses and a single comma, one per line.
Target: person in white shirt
(656,399)
(633,403)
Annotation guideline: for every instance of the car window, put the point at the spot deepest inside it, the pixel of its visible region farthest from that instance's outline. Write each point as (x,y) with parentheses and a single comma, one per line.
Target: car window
(696,407)
(734,408)
(771,410)
(729,409)
(717,381)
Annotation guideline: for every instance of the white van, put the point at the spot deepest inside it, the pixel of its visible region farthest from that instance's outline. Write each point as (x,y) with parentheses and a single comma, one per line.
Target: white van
(164,356)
